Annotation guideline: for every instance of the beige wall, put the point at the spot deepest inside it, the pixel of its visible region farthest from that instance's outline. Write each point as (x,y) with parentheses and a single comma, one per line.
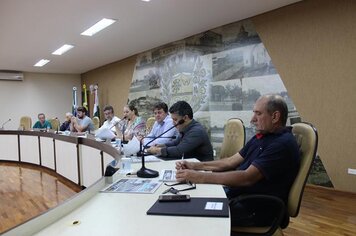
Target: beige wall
(313,46)
(48,93)
(114,81)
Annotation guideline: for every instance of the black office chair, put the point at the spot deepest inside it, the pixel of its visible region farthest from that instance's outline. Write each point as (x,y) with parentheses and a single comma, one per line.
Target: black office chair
(307,139)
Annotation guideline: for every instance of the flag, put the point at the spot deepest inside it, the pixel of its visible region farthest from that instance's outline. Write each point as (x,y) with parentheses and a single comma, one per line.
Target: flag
(74,102)
(96,110)
(85,97)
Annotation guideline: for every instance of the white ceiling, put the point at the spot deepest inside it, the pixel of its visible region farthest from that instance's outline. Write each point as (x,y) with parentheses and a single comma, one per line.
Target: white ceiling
(32,29)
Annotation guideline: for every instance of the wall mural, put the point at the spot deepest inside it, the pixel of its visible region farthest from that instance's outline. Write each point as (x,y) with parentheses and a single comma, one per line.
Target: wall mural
(220,73)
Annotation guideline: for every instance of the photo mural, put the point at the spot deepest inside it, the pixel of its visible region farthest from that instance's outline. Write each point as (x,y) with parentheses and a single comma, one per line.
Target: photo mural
(220,73)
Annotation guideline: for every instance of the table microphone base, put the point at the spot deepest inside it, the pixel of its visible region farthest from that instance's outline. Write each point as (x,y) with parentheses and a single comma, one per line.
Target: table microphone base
(147,173)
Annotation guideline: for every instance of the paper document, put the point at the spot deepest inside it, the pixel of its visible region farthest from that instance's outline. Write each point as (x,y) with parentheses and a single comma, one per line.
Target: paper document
(133,186)
(150,158)
(132,147)
(104,133)
(168,176)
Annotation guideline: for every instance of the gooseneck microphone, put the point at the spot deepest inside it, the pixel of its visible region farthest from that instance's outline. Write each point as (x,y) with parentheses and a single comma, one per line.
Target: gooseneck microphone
(148,173)
(2,126)
(123,141)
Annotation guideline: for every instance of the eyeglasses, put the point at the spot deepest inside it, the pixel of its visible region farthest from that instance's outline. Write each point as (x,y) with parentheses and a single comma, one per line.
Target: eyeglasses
(176,191)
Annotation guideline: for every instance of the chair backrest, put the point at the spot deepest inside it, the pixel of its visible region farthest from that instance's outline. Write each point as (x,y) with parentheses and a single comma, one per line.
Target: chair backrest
(149,124)
(96,122)
(54,123)
(25,123)
(234,137)
(307,139)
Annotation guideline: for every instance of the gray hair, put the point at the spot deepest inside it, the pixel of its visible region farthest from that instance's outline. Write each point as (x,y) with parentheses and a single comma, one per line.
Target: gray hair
(277,103)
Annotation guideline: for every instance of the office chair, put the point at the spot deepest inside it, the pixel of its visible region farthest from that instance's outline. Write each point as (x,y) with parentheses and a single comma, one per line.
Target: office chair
(54,123)
(96,122)
(149,124)
(307,139)
(234,137)
(25,123)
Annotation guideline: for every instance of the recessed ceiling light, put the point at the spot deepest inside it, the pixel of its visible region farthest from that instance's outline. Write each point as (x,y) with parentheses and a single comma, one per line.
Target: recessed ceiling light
(145,0)
(102,24)
(41,62)
(63,49)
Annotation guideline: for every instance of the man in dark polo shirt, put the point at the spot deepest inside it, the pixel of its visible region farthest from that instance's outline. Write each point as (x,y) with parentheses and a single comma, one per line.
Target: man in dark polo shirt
(193,141)
(268,163)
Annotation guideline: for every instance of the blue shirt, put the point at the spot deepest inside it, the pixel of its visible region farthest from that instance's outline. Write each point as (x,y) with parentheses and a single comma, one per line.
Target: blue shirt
(276,156)
(159,128)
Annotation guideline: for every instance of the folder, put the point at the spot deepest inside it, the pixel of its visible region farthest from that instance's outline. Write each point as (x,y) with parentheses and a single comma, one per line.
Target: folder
(206,207)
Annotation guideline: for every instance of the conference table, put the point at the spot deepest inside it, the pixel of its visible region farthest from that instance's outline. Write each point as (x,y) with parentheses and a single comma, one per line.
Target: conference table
(94,212)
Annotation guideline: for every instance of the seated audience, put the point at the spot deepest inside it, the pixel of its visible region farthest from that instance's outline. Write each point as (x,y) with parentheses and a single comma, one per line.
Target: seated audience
(193,141)
(162,124)
(110,119)
(132,125)
(81,123)
(66,124)
(268,164)
(42,123)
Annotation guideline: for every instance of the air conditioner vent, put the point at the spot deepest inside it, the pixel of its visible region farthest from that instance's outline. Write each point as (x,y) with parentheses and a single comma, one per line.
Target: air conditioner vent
(11,75)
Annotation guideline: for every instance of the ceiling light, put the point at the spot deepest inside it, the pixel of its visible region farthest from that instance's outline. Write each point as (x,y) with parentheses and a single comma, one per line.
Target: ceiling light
(63,49)
(102,24)
(145,0)
(41,62)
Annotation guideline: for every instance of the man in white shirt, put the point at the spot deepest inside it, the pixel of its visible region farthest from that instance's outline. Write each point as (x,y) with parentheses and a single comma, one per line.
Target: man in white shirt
(163,123)
(111,119)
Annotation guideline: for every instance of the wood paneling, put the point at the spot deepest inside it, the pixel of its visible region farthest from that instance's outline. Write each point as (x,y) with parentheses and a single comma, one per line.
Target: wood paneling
(312,45)
(114,82)
(324,212)
(27,191)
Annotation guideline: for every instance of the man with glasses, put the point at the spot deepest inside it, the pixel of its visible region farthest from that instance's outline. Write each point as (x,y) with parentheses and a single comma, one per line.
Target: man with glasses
(110,119)
(193,141)
(162,124)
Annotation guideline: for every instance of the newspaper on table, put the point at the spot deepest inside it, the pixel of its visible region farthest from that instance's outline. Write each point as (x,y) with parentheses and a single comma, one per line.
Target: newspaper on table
(132,185)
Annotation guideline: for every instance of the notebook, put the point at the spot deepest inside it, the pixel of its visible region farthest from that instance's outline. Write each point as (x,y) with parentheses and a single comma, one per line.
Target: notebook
(206,207)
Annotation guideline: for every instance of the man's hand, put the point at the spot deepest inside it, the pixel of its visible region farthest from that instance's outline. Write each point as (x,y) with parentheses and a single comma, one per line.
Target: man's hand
(193,176)
(155,150)
(180,165)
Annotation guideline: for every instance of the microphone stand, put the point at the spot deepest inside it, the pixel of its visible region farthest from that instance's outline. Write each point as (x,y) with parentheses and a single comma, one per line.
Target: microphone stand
(145,172)
(123,141)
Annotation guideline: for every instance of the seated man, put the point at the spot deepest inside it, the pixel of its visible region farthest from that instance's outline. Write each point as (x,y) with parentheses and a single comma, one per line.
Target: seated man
(42,123)
(193,141)
(162,124)
(268,164)
(111,119)
(66,124)
(81,123)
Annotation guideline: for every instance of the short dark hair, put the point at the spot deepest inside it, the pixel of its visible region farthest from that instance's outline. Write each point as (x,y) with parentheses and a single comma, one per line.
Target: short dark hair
(40,114)
(82,109)
(109,108)
(277,103)
(161,105)
(182,108)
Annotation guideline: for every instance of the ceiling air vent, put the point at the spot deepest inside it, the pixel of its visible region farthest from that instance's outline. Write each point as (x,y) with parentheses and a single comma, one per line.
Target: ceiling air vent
(11,75)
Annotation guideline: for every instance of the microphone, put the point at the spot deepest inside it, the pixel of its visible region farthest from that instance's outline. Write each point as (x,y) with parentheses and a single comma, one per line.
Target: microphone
(2,126)
(148,173)
(59,123)
(123,141)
